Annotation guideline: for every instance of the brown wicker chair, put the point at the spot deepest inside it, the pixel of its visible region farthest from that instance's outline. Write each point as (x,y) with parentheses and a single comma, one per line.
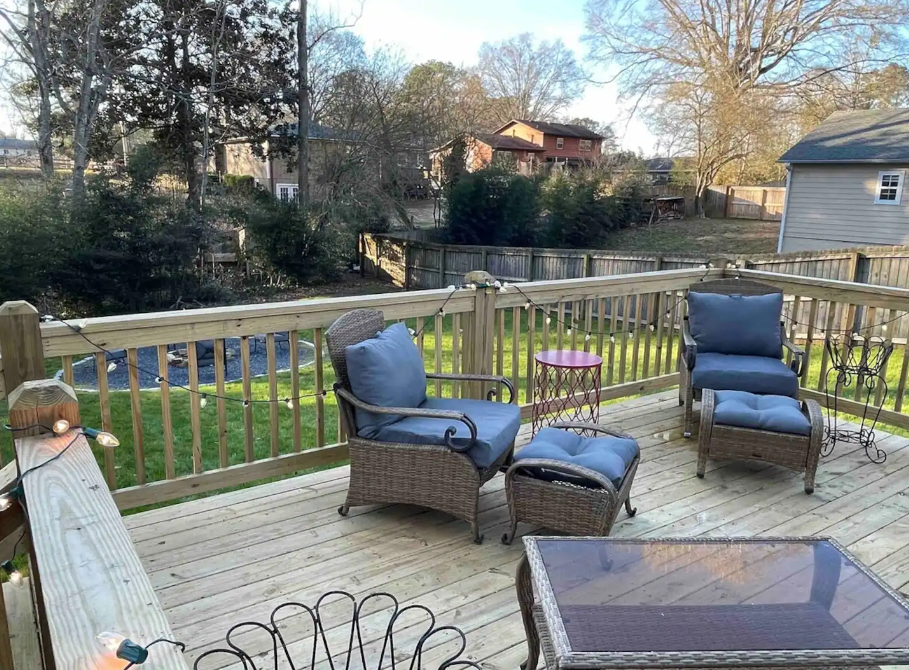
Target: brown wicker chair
(439,477)
(688,394)
(575,509)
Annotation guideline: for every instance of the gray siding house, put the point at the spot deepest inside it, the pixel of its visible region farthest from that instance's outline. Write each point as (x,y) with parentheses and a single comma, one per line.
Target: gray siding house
(845,183)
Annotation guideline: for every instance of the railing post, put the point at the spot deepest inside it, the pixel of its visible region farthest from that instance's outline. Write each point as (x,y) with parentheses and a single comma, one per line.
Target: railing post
(21,349)
(480,333)
(442,249)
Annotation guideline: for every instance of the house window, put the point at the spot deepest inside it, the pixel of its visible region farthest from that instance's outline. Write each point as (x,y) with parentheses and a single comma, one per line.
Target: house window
(889,187)
(287,192)
(560,142)
(585,145)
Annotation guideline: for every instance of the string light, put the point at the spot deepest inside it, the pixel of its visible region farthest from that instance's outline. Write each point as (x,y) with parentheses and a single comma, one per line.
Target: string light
(452,287)
(127,650)
(159,380)
(102,437)
(203,401)
(12,572)
(7,499)
(527,305)
(587,337)
(246,403)
(112,366)
(568,332)
(60,426)
(412,332)
(289,403)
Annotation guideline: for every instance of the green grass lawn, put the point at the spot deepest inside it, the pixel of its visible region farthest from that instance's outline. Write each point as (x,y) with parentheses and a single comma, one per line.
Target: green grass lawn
(698,236)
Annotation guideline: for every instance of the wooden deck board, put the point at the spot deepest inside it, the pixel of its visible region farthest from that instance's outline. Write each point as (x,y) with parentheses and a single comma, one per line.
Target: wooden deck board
(217,561)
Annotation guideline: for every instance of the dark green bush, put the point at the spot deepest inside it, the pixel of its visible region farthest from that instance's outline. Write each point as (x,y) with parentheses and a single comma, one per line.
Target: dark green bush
(495,207)
(576,212)
(239,184)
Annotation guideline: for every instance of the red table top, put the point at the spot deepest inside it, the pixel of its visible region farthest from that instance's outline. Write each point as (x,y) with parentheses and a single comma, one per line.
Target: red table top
(568,359)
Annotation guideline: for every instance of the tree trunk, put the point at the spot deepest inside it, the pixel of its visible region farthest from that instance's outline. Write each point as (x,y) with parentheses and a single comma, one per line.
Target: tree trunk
(45,139)
(188,153)
(37,31)
(303,110)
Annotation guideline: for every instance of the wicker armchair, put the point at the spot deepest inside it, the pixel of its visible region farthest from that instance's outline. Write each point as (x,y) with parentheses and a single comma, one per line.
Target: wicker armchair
(687,392)
(588,507)
(438,476)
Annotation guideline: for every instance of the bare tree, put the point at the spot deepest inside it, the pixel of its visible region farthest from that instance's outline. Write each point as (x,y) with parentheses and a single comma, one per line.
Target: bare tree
(528,80)
(739,43)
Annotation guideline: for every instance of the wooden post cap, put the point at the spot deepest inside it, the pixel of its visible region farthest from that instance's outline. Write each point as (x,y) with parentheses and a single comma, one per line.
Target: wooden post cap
(480,278)
(42,402)
(17,308)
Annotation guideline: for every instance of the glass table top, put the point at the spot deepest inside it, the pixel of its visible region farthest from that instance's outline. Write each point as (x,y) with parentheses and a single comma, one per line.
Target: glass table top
(615,596)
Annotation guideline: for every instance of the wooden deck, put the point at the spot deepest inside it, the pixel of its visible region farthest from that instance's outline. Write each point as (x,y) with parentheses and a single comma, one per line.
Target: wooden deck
(217,561)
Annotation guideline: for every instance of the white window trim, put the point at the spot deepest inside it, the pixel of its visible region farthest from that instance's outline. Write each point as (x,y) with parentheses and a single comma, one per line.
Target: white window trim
(899,188)
(585,145)
(560,143)
(292,189)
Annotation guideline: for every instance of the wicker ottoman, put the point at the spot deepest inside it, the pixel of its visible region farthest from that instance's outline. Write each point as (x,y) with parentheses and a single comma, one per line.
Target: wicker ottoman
(553,483)
(774,429)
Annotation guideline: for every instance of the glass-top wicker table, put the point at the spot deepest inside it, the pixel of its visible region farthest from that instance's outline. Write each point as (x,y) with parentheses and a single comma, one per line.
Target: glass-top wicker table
(706,603)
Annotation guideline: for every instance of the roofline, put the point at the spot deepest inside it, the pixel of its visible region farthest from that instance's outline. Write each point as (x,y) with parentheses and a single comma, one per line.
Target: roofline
(872,161)
(499,130)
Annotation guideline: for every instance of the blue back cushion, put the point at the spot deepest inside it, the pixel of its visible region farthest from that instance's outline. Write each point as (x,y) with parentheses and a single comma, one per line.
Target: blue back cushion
(386,371)
(736,324)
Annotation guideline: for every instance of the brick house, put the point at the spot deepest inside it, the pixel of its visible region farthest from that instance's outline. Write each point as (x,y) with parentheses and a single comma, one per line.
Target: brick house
(561,142)
(528,143)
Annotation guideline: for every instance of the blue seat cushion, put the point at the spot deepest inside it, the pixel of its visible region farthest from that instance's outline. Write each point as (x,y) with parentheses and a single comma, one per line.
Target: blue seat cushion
(386,371)
(610,456)
(497,426)
(754,374)
(762,412)
(736,324)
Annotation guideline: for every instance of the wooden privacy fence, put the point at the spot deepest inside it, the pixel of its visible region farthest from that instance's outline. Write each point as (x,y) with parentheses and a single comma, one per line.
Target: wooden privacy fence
(762,203)
(414,264)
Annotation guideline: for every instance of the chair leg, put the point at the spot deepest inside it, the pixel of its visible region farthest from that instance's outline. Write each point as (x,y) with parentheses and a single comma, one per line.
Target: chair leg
(689,407)
(629,510)
(475,526)
(702,462)
(344,509)
(508,537)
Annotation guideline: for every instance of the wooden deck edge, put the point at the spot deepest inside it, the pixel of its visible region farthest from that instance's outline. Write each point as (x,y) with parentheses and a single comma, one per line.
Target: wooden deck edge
(244,473)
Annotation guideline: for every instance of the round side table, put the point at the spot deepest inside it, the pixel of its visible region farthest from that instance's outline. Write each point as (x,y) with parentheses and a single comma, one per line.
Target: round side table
(567,387)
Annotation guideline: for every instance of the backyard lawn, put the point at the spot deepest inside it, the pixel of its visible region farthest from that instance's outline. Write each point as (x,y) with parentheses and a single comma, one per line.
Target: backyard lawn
(698,236)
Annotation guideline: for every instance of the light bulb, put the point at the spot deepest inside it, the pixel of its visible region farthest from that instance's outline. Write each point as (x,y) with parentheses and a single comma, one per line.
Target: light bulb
(112,366)
(105,439)
(60,426)
(203,401)
(652,328)
(587,337)
(547,320)
(411,331)
(110,641)
(527,305)
(497,284)
(246,403)
(612,338)
(5,502)
(568,332)
(47,317)
(441,311)
(452,287)
(81,323)
(503,289)
(630,334)
(289,403)
(159,380)
(702,266)
(505,284)
(15,577)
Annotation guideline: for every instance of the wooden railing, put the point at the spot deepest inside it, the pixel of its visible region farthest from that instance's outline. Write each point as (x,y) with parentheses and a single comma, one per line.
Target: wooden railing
(173,447)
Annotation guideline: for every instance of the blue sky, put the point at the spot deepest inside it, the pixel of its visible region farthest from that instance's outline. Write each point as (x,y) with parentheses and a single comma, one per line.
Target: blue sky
(453,30)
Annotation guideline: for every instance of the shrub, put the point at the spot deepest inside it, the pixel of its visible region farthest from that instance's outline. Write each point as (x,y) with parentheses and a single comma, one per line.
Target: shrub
(494,207)
(576,212)
(239,184)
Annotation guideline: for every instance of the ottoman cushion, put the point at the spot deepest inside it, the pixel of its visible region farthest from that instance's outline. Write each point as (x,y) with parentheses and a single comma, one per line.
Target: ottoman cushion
(610,456)
(768,412)
(755,374)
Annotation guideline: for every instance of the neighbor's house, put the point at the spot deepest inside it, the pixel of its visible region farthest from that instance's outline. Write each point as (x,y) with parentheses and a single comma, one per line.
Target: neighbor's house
(482,149)
(526,143)
(845,183)
(561,142)
(277,174)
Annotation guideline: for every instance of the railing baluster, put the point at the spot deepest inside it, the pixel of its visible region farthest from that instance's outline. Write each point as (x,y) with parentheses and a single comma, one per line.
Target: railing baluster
(68,375)
(320,386)
(660,319)
(455,353)
(135,402)
(560,326)
(809,340)
(110,472)
(648,320)
(636,340)
(249,438)
(421,324)
(671,337)
(293,342)
(601,325)
(166,421)
(545,344)
(573,321)
(516,349)
(828,327)
(623,347)
(613,328)
(195,420)
(588,323)
(867,331)
(500,349)
(793,325)
(438,330)
(221,404)
(904,369)
(879,399)
(273,418)
(531,346)
(683,313)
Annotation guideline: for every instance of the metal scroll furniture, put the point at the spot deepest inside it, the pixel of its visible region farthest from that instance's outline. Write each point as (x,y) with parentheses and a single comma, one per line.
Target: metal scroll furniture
(567,387)
(783,431)
(592,603)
